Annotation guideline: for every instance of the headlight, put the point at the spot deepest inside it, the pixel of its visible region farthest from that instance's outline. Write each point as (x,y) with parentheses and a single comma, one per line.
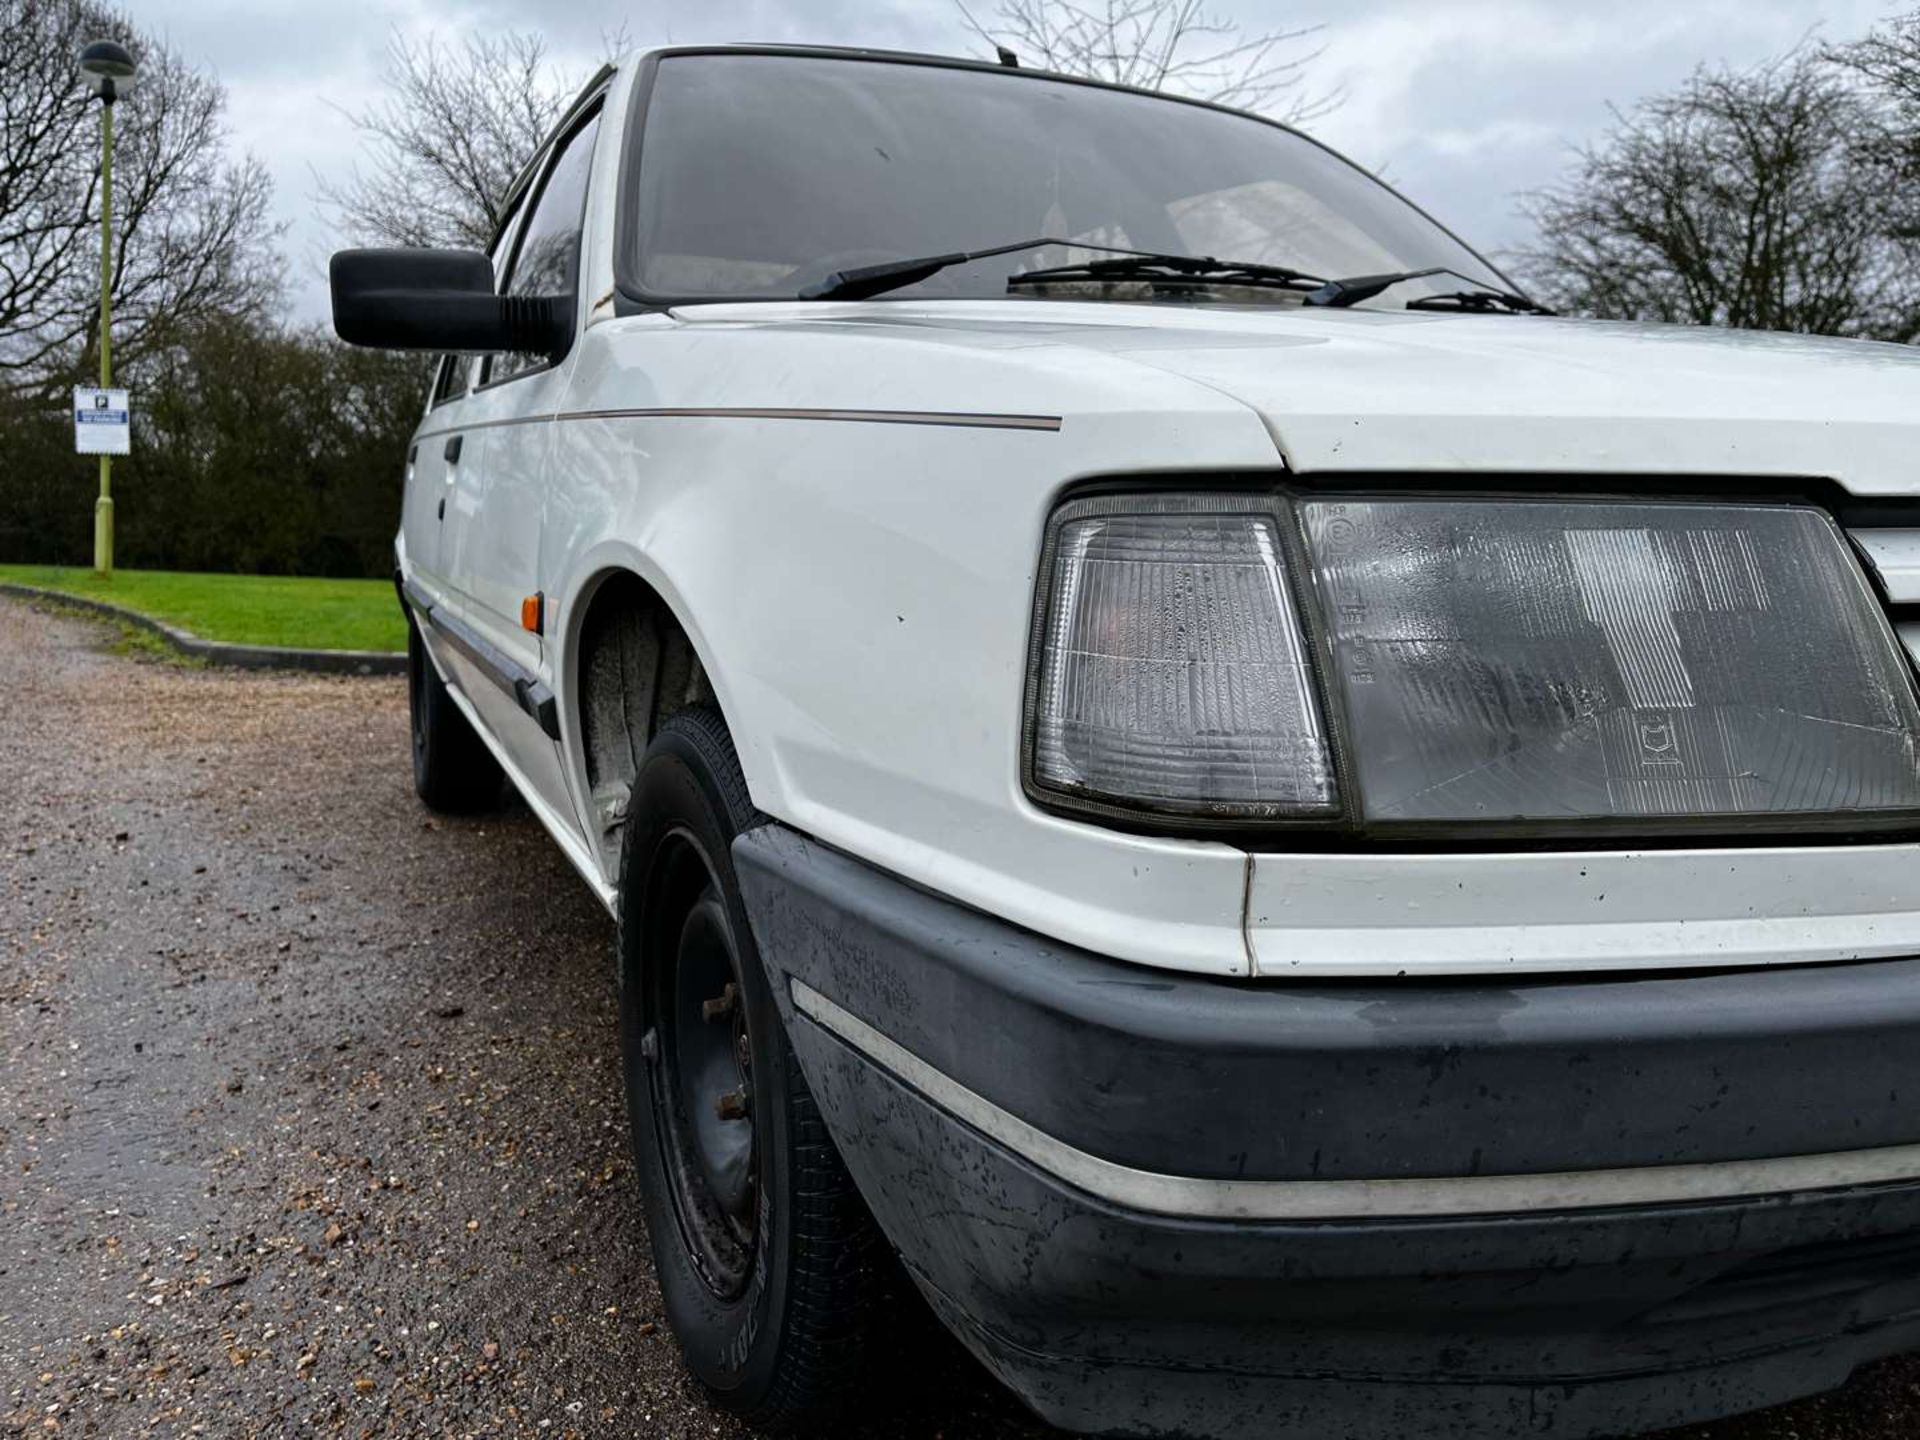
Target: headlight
(1550,666)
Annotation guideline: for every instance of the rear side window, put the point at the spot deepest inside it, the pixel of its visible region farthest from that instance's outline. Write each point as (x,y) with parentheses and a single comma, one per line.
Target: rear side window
(547,259)
(450,378)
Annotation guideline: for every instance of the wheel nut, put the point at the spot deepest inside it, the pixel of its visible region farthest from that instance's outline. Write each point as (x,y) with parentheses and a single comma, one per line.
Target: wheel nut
(733,1105)
(743,1051)
(721,1008)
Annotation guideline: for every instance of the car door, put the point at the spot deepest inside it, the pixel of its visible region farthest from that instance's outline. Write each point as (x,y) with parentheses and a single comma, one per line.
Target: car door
(494,515)
(445,447)
(433,461)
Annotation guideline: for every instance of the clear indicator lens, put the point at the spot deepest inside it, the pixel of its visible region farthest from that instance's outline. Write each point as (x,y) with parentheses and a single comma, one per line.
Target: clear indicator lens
(1174,676)
(1559,662)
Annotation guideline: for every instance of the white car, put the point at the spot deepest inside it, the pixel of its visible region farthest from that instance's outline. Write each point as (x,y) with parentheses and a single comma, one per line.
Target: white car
(1315,850)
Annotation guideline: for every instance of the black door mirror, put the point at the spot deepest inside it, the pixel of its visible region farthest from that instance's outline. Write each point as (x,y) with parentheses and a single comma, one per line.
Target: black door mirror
(440,300)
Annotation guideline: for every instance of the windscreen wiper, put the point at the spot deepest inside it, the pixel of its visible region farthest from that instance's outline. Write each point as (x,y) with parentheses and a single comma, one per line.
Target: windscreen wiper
(1354,288)
(1173,269)
(869,280)
(1480,302)
(865,281)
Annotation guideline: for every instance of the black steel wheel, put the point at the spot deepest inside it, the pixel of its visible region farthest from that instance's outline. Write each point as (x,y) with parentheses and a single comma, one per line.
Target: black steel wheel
(701,1093)
(774,1276)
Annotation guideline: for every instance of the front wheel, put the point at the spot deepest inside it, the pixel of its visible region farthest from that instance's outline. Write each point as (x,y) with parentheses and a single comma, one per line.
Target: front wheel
(771,1270)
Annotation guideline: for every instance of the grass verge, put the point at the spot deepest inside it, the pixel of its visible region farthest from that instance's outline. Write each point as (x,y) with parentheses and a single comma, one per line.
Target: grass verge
(300,611)
(121,637)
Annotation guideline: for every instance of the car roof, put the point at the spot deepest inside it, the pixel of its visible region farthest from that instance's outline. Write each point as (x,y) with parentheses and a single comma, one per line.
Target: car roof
(932,60)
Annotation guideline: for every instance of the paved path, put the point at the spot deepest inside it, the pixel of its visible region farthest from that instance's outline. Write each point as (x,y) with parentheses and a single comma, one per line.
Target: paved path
(309,1116)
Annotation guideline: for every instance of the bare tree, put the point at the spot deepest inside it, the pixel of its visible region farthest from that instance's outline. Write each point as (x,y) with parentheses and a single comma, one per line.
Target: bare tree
(191,236)
(1174,45)
(1758,199)
(1886,65)
(1888,60)
(448,140)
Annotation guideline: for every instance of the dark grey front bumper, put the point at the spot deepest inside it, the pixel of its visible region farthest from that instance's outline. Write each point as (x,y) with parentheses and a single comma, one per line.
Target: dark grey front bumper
(1157,1204)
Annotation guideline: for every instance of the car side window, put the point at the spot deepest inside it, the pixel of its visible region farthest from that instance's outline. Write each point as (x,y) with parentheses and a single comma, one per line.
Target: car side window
(450,378)
(547,256)
(453,373)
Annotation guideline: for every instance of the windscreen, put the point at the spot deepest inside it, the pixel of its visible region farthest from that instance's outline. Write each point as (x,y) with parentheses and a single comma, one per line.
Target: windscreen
(761,174)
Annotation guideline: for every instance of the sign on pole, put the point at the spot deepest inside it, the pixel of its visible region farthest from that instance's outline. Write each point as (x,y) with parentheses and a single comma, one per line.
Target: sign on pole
(102,421)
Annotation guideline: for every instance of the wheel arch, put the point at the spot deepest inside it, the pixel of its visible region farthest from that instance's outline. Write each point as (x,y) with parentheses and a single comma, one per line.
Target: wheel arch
(630,659)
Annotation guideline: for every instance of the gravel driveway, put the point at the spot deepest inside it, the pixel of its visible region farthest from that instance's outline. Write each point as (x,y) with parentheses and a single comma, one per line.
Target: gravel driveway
(310,1118)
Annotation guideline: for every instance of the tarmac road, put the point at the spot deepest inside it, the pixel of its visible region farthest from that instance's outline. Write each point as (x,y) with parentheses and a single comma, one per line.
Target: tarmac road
(310,1119)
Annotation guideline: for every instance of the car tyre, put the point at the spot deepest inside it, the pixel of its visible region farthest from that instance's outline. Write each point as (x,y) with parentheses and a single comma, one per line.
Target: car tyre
(453,771)
(773,1274)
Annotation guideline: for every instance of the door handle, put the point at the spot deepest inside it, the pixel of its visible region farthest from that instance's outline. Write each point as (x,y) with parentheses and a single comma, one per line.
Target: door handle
(452,449)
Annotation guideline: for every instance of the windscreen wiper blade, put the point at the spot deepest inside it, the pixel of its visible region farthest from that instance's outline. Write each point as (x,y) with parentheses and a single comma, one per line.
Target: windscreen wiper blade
(1354,288)
(1180,269)
(1480,302)
(865,281)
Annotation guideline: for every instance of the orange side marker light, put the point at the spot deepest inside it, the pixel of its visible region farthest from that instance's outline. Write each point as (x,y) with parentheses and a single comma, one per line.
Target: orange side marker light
(533,612)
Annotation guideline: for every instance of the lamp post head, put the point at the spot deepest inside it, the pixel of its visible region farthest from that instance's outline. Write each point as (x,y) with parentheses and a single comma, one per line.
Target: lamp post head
(109,69)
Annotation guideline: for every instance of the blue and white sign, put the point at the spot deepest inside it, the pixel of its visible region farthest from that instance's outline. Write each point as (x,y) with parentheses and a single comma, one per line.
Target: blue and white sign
(102,421)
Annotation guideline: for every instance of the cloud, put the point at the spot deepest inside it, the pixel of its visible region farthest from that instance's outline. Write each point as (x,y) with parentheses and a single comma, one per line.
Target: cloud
(1467,104)
(1475,142)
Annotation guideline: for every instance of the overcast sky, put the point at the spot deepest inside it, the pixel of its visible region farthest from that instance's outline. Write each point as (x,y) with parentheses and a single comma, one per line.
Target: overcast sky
(1461,102)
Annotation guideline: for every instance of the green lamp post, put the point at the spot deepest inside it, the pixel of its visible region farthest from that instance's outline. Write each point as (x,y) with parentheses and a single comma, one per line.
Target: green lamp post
(109,70)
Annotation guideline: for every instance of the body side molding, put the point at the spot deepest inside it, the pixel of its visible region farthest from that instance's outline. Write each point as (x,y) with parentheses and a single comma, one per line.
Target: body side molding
(952,419)
(529,691)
